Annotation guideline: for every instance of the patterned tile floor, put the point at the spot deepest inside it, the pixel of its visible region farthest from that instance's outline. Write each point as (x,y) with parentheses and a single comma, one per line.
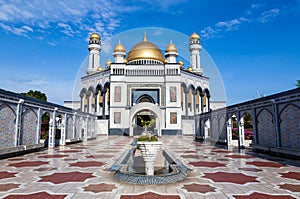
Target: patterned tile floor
(82,171)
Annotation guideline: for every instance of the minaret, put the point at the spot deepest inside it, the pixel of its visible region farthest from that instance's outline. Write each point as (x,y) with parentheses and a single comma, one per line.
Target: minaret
(171,53)
(119,53)
(94,57)
(195,48)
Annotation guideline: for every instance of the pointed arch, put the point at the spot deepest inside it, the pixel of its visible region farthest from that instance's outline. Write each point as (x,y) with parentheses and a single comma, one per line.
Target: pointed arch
(82,92)
(289,126)
(265,128)
(28,127)
(7,123)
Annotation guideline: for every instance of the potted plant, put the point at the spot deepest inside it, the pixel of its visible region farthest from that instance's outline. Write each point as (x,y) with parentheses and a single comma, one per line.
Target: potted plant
(149,146)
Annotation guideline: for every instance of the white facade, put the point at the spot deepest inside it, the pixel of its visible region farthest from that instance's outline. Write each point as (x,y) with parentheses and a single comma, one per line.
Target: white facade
(144,84)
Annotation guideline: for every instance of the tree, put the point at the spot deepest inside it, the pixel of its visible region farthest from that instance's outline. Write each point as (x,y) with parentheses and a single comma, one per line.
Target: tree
(36,94)
(298,83)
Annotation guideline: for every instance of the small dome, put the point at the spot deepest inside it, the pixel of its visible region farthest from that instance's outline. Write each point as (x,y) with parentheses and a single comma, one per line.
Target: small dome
(145,50)
(125,61)
(120,48)
(99,69)
(190,69)
(171,48)
(108,63)
(181,63)
(194,36)
(95,36)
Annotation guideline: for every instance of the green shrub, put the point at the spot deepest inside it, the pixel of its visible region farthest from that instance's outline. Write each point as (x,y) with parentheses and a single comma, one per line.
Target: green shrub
(147,139)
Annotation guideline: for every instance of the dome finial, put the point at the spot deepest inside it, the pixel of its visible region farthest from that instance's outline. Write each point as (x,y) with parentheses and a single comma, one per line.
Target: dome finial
(145,37)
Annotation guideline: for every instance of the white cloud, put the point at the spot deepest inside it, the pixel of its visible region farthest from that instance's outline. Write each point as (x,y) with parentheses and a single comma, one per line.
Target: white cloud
(255,13)
(28,81)
(17,31)
(66,29)
(41,18)
(269,15)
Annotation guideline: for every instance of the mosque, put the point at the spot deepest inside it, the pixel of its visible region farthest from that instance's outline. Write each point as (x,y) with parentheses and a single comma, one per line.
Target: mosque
(142,85)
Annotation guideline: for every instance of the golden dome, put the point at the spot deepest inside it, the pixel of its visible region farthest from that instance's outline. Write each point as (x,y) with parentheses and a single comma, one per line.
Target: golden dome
(99,69)
(95,35)
(125,61)
(190,69)
(119,48)
(108,63)
(181,63)
(145,50)
(194,36)
(171,48)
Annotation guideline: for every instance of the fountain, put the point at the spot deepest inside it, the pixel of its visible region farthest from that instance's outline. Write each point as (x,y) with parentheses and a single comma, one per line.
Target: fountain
(148,163)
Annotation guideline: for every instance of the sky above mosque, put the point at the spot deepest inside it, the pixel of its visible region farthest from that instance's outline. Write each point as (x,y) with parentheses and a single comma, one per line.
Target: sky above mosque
(254,44)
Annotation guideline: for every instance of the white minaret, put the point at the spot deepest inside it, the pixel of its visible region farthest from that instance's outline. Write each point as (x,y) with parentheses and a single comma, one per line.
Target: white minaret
(171,53)
(195,48)
(119,53)
(94,57)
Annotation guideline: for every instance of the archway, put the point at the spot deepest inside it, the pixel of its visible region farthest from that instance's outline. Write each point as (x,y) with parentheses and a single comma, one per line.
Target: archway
(146,111)
(147,116)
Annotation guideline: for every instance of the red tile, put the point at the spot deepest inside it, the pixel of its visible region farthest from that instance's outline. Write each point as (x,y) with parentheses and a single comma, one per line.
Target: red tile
(190,156)
(292,175)
(239,156)
(265,164)
(207,164)
(28,164)
(190,152)
(150,195)
(250,169)
(58,178)
(87,164)
(126,197)
(7,187)
(256,195)
(70,151)
(199,188)
(39,195)
(53,156)
(45,169)
(99,156)
(237,178)
(5,174)
(221,151)
(102,187)
(291,187)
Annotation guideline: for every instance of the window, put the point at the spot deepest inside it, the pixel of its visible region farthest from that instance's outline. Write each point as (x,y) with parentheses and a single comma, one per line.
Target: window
(117,117)
(118,94)
(173,94)
(173,118)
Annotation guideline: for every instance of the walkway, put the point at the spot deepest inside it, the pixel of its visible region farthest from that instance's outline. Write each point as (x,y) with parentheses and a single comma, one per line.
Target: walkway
(81,171)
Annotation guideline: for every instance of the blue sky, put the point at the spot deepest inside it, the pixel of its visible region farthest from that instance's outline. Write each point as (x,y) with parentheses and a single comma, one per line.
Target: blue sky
(255,44)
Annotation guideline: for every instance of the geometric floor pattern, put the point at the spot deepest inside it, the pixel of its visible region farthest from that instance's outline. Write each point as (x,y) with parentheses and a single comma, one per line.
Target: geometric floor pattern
(82,171)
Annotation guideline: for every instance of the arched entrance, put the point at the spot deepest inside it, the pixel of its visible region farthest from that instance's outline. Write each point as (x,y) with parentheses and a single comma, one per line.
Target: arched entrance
(146,111)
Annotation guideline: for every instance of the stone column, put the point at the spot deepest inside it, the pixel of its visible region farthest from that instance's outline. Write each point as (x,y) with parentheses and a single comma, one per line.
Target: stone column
(63,130)
(104,105)
(52,129)
(18,122)
(74,125)
(241,133)
(229,132)
(38,129)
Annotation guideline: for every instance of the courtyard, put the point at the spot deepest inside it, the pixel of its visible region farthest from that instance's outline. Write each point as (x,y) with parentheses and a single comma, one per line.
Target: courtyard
(82,171)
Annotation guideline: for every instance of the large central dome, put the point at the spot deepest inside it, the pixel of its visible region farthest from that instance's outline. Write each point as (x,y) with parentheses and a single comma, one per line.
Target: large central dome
(145,50)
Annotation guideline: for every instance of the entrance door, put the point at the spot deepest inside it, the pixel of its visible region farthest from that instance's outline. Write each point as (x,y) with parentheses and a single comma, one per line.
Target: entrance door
(145,116)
